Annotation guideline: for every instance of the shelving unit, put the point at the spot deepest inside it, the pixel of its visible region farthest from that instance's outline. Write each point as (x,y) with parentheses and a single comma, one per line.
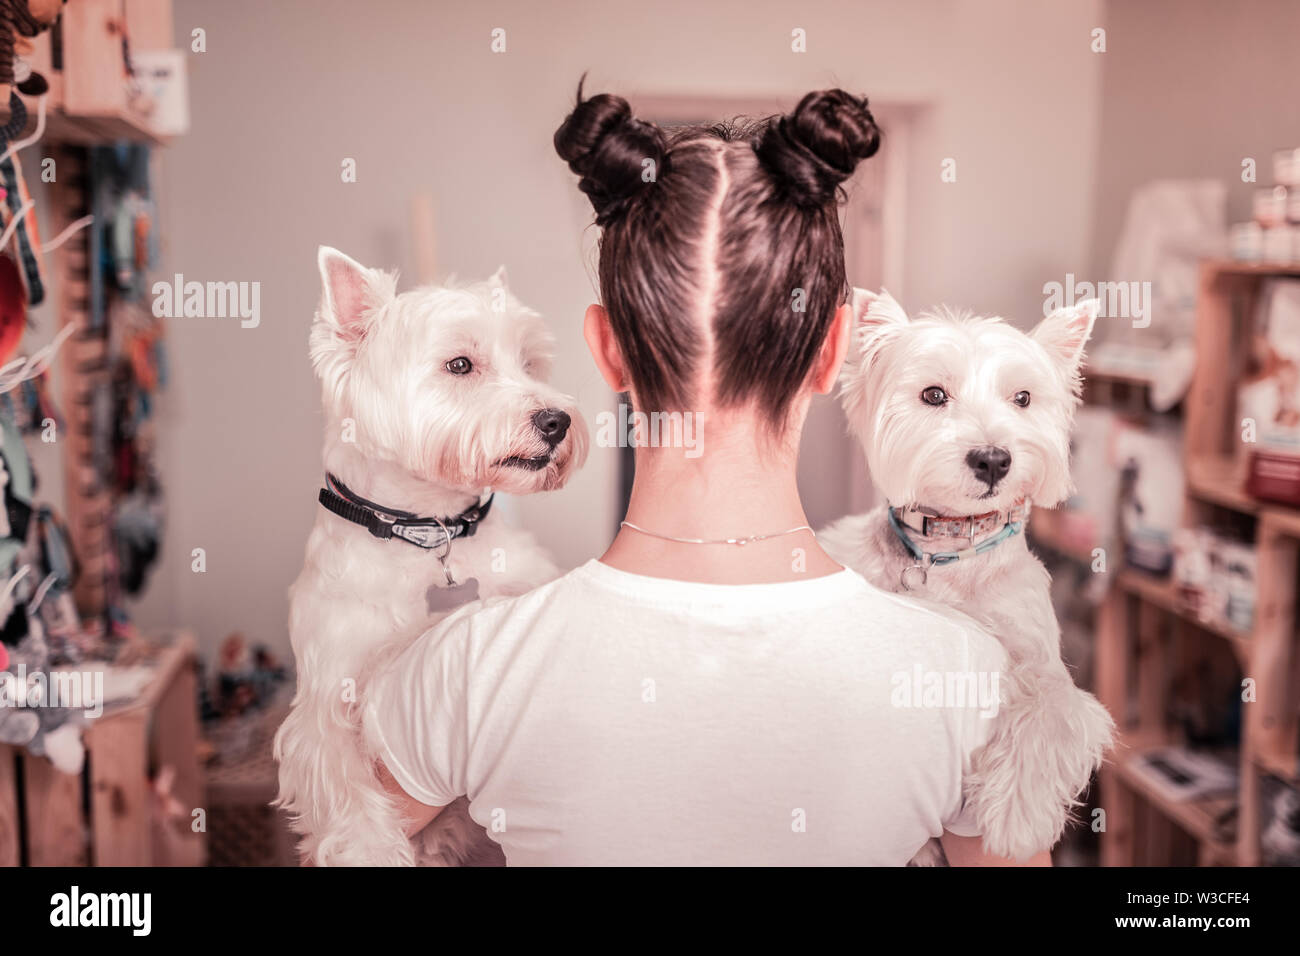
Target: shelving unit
(105,816)
(81,58)
(88,104)
(108,814)
(1144,623)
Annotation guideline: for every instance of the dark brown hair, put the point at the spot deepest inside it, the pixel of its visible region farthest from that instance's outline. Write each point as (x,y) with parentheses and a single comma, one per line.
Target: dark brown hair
(737,220)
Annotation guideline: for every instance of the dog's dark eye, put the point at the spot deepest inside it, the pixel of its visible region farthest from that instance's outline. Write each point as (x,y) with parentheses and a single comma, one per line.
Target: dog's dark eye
(460,366)
(1021,399)
(934,395)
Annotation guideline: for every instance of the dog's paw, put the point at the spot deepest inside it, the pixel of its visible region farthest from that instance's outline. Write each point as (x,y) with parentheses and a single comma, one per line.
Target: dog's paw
(1042,755)
(1015,821)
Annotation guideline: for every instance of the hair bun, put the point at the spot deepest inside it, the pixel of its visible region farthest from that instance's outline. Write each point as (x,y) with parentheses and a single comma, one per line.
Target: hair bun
(814,149)
(606,146)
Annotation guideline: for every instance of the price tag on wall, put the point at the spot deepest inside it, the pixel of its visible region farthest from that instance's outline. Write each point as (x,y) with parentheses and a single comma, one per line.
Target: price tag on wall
(164,92)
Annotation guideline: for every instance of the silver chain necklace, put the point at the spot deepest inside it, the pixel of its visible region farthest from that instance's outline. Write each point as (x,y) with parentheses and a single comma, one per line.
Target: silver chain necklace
(736,541)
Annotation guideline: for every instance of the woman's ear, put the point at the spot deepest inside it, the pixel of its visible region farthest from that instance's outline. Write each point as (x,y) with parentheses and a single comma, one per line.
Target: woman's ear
(604,348)
(831,357)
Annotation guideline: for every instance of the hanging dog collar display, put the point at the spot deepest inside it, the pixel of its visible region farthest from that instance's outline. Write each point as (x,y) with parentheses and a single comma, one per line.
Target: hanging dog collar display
(18,206)
(20,20)
(13,308)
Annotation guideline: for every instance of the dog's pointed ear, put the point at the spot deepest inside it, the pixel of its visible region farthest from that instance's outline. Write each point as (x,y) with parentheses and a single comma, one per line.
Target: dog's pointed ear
(876,311)
(1065,332)
(499,278)
(351,293)
(352,296)
(876,315)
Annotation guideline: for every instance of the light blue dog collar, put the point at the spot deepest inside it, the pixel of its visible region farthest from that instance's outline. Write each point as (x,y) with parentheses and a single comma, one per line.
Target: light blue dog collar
(927,559)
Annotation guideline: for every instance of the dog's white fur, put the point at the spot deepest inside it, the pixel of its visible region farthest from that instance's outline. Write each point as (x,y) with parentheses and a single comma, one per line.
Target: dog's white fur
(1048,736)
(406,433)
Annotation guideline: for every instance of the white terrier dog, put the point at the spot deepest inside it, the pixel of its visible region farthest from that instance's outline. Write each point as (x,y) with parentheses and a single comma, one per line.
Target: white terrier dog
(965,421)
(432,398)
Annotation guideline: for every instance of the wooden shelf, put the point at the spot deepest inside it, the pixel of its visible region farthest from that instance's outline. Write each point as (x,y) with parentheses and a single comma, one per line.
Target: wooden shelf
(124,745)
(1220,480)
(1281,519)
(1250,270)
(60,127)
(1117,378)
(1199,818)
(1133,648)
(87,102)
(1164,595)
(97,126)
(174,652)
(1281,766)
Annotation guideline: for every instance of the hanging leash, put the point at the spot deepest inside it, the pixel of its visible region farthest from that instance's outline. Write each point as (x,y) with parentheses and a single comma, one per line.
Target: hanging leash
(1013,522)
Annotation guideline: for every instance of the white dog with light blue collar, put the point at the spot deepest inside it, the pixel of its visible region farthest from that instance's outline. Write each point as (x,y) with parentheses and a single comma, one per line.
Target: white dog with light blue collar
(965,420)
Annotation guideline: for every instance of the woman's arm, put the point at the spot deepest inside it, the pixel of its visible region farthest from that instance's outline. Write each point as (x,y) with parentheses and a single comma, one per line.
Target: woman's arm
(969,851)
(415,815)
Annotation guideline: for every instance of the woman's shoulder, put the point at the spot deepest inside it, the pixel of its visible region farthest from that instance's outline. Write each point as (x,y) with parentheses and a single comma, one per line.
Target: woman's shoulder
(916,620)
(500,607)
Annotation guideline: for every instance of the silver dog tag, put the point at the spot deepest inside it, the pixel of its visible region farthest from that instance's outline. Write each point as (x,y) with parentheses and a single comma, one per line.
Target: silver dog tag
(448,598)
(915,583)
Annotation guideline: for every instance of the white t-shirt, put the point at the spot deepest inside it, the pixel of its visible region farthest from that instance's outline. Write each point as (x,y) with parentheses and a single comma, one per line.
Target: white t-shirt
(613,718)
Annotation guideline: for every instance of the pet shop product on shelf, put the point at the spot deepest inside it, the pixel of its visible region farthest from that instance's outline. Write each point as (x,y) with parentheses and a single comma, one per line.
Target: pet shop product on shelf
(1279,839)
(1149,463)
(1246,242)
(1087,520)
(247,677)
(1148,298)
(1237,564)
(1192,572)
(1181,774)
(20,20)
(32,712)
(1278,245)
(32,715)
(1270,206)
(1214,576)
(1268,399)
(966,424)
(432,398)
(17,211)
(1286,167)
(1273,234)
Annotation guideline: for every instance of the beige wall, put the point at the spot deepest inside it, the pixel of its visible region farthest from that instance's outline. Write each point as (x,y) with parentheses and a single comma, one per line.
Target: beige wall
(410,90)
(1191,88)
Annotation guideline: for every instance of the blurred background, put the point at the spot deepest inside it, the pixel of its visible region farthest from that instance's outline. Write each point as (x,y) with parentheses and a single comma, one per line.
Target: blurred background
(1147,151)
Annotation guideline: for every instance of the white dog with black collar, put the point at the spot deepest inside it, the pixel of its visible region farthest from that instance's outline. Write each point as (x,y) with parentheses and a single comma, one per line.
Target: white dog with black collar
(432,397)
(965,420)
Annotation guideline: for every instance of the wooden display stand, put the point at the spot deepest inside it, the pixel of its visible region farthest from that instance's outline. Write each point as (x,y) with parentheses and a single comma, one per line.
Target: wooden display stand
(88,101)
(105,816)
(1145,632)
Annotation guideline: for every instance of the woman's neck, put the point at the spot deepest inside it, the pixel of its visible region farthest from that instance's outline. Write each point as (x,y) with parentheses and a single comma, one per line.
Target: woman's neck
(732,490)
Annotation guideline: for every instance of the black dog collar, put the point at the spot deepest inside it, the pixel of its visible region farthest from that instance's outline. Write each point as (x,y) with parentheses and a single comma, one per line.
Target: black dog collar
(385,523)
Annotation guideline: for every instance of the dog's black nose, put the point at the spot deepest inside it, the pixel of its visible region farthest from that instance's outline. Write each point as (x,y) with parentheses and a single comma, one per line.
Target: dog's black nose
(553,424)
(989,463)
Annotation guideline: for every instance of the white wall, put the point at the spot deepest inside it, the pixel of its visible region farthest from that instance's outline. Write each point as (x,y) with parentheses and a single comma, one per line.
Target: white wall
(1225,78)
(286,90)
